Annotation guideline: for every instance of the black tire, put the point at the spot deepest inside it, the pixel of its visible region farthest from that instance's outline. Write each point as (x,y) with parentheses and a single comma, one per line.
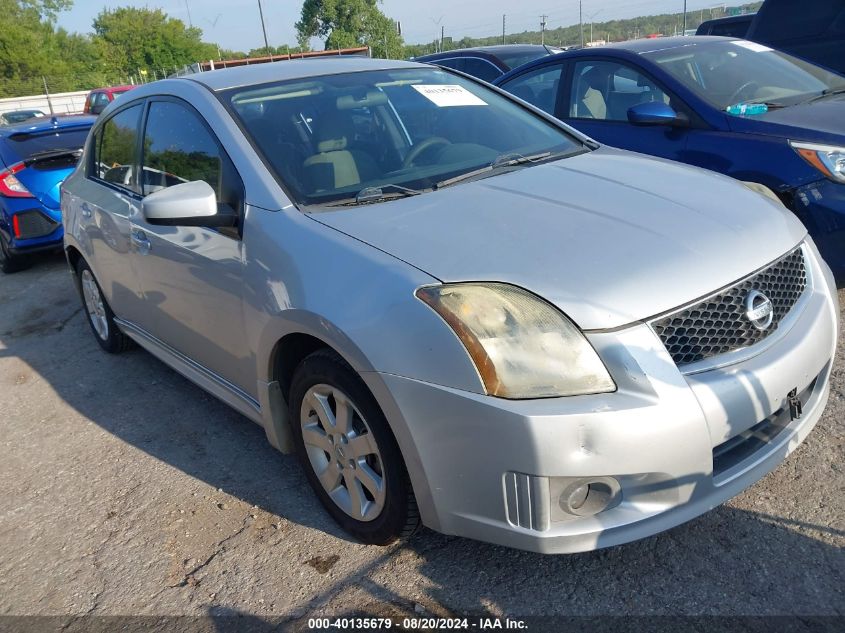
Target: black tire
(399,517)
(11,263)
(112,340)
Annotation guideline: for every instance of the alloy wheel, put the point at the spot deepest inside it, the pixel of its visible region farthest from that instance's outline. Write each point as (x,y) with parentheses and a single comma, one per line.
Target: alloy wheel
(94,305)
(343,452)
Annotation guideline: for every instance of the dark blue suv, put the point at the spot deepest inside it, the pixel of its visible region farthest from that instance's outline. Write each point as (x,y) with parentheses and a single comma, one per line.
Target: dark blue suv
(732,106)
(35,157)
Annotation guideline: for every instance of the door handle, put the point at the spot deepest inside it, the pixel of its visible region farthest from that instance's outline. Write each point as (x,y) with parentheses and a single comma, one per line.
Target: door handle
(86,210)
(140,240)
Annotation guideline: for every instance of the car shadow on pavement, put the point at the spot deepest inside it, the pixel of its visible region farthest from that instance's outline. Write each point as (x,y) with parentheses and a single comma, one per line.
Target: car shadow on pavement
(729,561)
(144,403)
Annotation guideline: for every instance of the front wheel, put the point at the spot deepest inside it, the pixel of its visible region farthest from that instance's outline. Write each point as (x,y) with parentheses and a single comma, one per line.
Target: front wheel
(348,452)
(100,315)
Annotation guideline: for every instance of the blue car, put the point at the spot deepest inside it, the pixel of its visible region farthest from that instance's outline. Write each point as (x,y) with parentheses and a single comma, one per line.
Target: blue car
(35,157)
(732,106)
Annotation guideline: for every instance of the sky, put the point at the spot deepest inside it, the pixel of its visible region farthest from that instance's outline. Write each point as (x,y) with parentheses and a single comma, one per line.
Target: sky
(235,24)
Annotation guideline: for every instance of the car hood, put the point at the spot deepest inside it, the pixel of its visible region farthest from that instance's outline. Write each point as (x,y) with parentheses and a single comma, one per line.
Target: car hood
(610,237)
(817,121)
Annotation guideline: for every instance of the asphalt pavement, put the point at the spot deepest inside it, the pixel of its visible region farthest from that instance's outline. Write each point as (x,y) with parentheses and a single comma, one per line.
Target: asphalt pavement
(126,490)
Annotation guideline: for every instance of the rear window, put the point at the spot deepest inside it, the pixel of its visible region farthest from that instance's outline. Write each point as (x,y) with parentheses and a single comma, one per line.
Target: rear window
(27,145)
(514,60)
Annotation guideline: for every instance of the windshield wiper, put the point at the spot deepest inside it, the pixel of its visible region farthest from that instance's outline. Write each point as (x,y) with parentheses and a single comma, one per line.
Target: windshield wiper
(827,92)
(508,159)
(375,194)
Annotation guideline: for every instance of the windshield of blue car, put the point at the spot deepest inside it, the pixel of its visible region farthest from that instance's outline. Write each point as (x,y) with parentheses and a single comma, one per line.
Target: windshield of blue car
(329,138)
(730,73)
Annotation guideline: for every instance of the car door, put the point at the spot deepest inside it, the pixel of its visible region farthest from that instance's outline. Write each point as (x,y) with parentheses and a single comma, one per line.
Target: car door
(106,199)
(540,87)
(192,276)
(599,93)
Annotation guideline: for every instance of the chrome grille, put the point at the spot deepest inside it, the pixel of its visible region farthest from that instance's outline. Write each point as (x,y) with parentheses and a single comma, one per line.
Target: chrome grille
(718,324)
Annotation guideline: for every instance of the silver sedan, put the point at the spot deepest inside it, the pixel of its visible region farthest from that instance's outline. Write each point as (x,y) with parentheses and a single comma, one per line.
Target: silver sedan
(454,309)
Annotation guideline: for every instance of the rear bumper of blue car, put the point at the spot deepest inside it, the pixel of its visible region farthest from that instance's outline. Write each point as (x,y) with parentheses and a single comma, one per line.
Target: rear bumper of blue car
(39,228)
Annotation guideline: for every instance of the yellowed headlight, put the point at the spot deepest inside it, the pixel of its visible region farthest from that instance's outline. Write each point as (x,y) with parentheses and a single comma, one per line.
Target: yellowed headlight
(522,346)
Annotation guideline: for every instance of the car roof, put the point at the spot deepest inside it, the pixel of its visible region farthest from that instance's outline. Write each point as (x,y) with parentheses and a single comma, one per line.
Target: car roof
(649,45)
(256,74)
(631,47)
(114,88)
(495,50)
(47,123)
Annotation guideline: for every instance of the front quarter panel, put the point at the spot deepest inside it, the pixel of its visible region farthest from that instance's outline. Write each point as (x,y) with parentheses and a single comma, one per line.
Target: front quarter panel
(304,277)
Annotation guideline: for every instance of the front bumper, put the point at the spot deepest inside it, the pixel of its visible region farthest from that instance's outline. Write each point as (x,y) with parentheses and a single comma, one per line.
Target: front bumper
(821,207)
(493,469)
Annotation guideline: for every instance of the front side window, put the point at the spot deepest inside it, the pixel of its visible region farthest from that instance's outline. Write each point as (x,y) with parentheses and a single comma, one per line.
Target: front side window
(538,87)
(179,148)
(330,138)
(114,148)
(605,91)
(729,73)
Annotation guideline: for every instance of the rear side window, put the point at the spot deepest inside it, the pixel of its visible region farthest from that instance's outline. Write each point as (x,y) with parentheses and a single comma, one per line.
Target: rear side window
(114,149)
(179,148)
(481,68)
(455,63)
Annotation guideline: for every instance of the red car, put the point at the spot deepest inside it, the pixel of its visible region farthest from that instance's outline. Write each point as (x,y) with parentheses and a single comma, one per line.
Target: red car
(99,98)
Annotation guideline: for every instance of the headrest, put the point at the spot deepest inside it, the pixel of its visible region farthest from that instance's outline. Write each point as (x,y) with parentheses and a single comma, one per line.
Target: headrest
(331,135)
(332,145)
(371,98)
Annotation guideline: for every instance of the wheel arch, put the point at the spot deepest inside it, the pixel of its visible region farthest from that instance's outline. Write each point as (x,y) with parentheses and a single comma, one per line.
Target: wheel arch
(289,342)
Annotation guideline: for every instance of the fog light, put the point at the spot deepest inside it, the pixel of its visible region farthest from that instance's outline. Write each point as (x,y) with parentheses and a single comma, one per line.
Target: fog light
(588,496)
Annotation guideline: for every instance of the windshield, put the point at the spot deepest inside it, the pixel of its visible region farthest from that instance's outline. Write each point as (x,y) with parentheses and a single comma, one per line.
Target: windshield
(332,137)
(730,73)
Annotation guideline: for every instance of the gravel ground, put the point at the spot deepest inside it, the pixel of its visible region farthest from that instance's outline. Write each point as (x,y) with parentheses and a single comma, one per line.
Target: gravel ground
(126,490)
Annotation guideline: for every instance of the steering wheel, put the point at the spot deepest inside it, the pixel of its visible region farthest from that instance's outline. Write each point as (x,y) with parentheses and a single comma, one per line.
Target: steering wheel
(423,146)
(739,91)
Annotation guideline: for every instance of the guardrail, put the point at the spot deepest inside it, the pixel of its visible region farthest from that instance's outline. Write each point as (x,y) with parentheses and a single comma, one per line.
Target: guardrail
(63,103)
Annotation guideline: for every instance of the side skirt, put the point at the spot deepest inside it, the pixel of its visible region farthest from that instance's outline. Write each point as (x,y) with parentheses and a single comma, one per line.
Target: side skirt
(198,374)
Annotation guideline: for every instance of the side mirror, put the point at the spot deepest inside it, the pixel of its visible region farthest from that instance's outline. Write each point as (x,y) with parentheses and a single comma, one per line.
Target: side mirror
(187,204)
(656,113)
(96,109)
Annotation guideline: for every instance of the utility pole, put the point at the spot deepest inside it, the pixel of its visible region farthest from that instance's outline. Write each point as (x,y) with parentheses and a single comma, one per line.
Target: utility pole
(442,36)
(263,28)
(190,24)
(684,32)
(437,22)
(543,29)
(581,20)
(503,28)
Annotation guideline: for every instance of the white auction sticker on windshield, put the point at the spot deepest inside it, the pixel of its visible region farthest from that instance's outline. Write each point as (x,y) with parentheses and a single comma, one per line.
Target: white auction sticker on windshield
(754,46)
(445,96)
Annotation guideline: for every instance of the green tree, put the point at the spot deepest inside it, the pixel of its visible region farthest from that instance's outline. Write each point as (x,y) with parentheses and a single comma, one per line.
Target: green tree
(132,39)
(349,23)
(32,48)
